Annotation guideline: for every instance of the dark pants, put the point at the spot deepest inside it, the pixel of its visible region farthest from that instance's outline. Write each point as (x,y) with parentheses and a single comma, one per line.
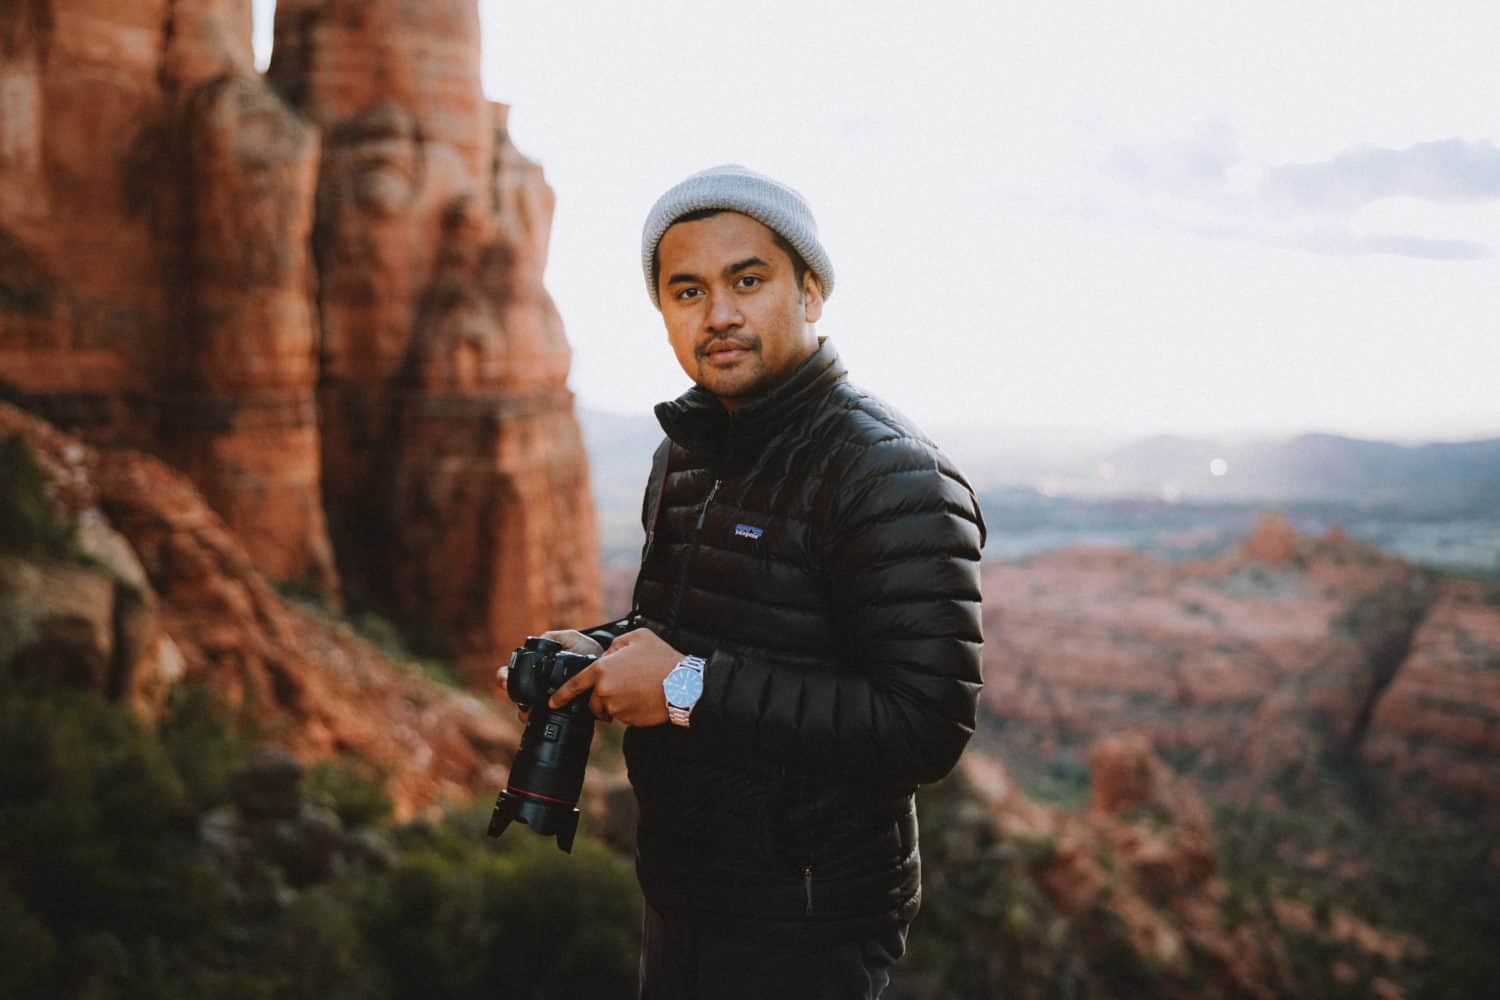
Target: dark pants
(682,961)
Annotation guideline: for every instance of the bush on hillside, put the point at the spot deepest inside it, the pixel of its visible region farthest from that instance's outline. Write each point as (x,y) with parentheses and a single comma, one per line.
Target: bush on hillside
(1438,886)
(98,830)
(107,892)
(28,524)
(355,793)
(985,928)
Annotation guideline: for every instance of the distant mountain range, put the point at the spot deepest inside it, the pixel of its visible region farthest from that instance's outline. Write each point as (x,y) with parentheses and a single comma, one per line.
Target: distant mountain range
(1440,479)
(1436,502)
(1445,478)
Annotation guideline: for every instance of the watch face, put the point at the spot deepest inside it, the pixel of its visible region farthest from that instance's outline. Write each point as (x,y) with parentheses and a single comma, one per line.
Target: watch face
(683,687)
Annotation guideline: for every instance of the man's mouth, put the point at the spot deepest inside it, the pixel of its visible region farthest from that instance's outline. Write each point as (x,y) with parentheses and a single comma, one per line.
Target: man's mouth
(725,351)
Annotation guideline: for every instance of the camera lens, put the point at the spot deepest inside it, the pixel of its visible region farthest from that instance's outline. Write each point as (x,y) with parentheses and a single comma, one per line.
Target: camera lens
(547,775)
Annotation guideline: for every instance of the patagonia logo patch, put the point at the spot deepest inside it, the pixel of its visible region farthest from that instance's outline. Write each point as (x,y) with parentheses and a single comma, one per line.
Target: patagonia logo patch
(749,531)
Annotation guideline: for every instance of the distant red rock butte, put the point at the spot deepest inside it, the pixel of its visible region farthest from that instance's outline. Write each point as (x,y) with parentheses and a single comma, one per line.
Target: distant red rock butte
(1249,667)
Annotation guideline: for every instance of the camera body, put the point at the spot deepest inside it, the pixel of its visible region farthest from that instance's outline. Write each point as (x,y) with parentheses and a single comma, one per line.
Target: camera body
(547,774)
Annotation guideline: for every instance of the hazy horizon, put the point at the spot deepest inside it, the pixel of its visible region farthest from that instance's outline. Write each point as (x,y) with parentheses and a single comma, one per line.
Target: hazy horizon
(1147,219)
(943,429)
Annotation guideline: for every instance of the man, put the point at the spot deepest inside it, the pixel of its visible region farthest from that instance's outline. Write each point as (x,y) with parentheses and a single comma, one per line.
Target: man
(804,647)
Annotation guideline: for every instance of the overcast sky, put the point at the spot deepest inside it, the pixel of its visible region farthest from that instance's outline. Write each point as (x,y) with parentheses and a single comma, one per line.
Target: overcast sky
(1185,217)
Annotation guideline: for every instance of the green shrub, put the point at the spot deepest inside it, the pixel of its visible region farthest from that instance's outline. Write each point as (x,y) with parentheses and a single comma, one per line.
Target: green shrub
(387,637)
(28,524)
(198,736)
(356,794)
(27,950)
(455,921)
(99,838)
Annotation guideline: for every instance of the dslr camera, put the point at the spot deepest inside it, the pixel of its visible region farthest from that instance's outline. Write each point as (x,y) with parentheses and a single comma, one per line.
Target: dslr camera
(547,774)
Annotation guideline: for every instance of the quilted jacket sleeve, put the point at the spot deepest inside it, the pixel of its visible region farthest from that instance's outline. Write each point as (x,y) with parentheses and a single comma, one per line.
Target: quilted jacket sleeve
(902,551)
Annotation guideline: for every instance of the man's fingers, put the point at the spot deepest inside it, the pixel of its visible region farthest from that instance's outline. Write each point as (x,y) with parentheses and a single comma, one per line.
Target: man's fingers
(574,641)
(575,686)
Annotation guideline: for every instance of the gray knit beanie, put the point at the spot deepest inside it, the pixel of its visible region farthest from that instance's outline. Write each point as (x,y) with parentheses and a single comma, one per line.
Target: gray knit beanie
(737,189)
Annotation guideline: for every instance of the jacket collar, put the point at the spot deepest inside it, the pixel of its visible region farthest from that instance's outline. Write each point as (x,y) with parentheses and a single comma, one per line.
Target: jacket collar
(697,421)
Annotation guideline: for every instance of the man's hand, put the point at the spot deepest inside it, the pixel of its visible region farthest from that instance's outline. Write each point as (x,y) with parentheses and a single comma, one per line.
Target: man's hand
(570,639)
(626,680)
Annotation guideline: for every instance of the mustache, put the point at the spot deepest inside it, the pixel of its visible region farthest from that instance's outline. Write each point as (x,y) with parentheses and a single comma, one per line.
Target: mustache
(720,343)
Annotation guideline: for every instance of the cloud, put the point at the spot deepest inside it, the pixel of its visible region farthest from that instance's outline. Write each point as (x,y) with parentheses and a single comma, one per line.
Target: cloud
(1195,165)
(1342,243)
(1183,186)
(1329,240)
(1449,171)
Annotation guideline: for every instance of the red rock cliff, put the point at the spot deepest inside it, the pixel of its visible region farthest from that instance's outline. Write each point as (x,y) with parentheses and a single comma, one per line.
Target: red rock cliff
(322,300)
(155,212)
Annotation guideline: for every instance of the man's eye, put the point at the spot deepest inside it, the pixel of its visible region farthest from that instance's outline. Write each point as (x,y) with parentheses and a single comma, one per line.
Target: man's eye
(689,293)
(748,281)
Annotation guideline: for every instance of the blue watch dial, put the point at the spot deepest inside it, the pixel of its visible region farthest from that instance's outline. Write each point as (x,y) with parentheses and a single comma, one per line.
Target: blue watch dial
(684,686)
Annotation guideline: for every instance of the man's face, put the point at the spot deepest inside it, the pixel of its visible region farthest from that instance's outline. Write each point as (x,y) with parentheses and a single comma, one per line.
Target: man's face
(736,317)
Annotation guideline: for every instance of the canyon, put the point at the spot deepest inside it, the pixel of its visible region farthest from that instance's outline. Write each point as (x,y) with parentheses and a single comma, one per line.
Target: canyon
(276,355)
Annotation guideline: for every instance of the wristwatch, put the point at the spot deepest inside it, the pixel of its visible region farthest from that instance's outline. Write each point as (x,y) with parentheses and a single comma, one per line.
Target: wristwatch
(683,687)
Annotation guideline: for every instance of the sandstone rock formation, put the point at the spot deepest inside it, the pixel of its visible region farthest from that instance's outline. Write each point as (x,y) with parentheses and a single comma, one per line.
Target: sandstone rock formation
(456,476)
(319,297)
(1254,668)
(155,213)
(1438,722)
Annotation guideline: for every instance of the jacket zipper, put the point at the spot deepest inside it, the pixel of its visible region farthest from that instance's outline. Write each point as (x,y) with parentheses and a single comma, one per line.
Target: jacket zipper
(807,875)
(688,560)
(703,513)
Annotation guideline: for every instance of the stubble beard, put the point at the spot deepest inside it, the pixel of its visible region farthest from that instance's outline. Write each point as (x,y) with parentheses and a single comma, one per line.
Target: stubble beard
(743,380)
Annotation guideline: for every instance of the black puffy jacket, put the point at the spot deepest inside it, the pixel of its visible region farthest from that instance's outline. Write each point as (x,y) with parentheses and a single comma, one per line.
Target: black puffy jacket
(823,556)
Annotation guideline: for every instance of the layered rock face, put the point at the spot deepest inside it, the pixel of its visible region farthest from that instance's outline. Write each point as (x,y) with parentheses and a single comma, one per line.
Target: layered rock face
(322,300)
(156,204)
(456,480)
(1254,669)
(1438,722)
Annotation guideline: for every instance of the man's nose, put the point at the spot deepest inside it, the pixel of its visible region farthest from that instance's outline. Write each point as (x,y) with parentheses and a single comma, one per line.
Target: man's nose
(723,313)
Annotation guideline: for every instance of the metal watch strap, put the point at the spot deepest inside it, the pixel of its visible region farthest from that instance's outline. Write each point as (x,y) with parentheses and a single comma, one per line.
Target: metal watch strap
(681,716)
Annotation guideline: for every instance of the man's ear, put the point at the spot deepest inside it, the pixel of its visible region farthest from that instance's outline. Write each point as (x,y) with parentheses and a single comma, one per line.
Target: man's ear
(812,298)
